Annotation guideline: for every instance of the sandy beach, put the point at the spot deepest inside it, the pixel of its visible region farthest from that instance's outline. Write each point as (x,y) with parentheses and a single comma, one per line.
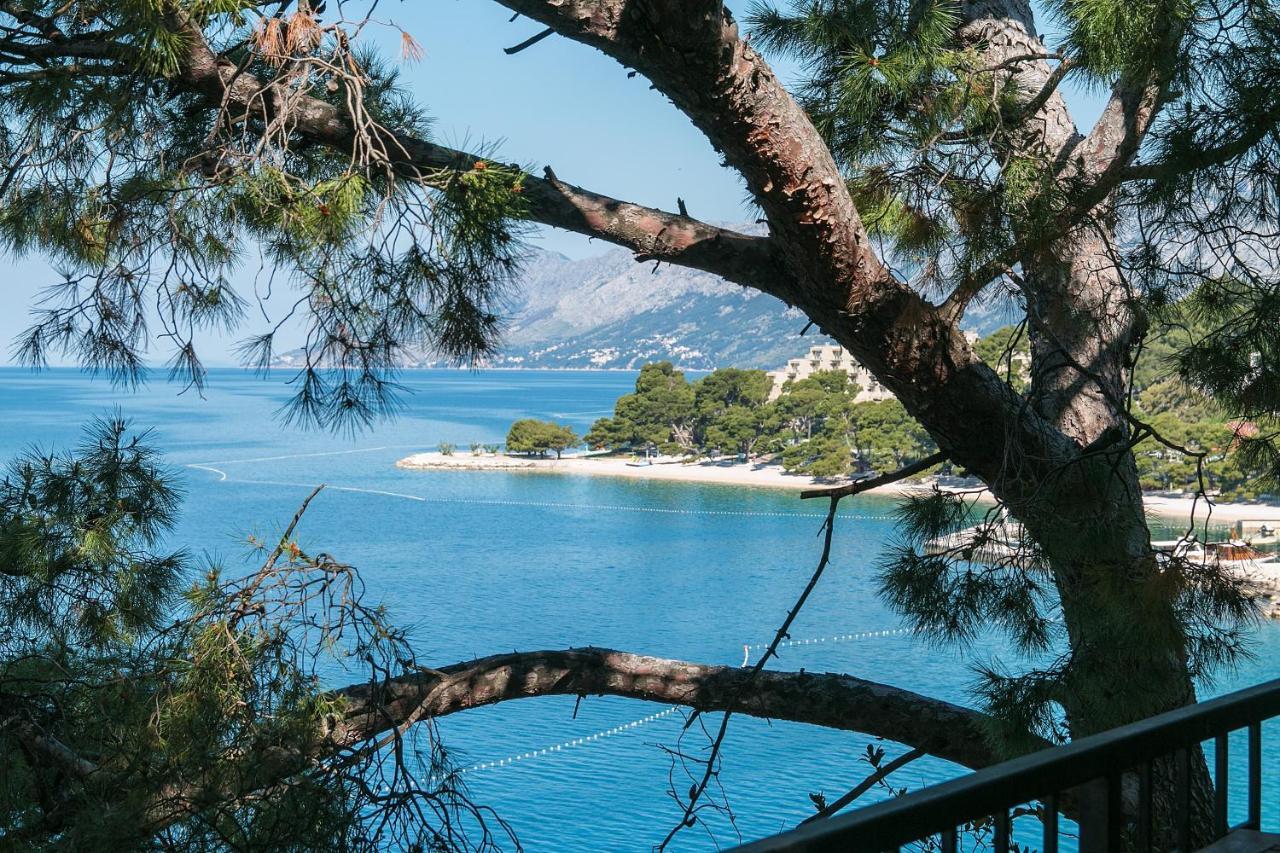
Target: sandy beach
(771,476)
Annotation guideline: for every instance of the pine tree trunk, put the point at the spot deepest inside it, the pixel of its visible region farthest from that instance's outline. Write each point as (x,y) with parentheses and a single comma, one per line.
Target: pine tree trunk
(1129,659)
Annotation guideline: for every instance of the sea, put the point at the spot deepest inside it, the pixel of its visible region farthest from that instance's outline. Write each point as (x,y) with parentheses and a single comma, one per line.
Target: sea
(479,563)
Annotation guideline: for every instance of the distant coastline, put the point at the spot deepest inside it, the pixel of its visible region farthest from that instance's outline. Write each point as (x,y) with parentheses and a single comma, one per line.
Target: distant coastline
(466,368)
(771,476)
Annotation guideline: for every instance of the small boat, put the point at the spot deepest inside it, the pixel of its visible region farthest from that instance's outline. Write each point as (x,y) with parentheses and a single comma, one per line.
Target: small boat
(1231,554)
(1258,531)
(1006,542)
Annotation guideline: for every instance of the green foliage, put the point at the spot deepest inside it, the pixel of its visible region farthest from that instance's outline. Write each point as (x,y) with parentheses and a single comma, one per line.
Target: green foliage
(814,424)
(88,522)
(529,435)
(1204,384)
(736,429)
(659,413)
(1110,38)
(148,196)
(843,436)
(729,409)
(827,455)
(447,448)
(730,386)
(887,436)
(1007,351)
(139,716)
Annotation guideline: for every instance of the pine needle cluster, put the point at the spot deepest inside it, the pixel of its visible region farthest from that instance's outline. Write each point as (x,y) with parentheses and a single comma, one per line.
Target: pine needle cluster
(152,200)
(142,710)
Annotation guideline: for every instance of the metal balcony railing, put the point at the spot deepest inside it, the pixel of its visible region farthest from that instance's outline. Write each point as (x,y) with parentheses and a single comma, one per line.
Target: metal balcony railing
(1092,768)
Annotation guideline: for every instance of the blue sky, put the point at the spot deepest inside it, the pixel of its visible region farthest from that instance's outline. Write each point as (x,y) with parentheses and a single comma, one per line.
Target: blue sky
(557,103)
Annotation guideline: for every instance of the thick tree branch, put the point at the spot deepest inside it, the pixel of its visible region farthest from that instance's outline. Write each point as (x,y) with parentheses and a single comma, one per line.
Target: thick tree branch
(652,233)
(372,712)
(823,699)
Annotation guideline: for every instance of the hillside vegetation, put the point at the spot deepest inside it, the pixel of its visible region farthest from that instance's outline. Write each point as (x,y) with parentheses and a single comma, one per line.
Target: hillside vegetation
(815,426)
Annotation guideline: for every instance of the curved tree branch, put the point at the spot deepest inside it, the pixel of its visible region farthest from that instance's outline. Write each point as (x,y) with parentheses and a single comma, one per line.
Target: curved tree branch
(375,711)
(651,233)
(823,699)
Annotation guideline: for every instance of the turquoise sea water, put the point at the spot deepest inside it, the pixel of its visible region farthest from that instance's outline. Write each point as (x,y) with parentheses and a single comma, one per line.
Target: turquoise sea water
(486,562)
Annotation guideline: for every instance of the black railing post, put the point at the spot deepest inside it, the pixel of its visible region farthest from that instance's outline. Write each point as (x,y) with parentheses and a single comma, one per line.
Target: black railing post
(1001,820)
(1050,821)
(1094,801)
(1115,812)
(1220,776)
(1144,808)
(1255,775)
(1183,757)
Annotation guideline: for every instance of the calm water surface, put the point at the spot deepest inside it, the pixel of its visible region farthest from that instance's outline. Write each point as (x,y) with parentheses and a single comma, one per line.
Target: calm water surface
(491,562)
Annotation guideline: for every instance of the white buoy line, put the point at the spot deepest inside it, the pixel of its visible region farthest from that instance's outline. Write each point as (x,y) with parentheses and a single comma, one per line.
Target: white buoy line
(814,641)
(570,744)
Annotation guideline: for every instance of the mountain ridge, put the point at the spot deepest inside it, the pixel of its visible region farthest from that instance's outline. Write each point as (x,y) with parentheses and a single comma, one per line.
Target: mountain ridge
(610,312)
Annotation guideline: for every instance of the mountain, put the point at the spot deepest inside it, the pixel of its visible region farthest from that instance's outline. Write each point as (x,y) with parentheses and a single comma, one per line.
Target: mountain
(608,311)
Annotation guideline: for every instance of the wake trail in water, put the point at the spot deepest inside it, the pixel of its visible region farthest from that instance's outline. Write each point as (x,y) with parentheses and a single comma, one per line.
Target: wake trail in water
(224,477)
(303,455)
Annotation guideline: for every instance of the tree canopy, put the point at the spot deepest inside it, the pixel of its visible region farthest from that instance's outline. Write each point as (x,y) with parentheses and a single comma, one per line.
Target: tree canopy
(815,424)
(659,413)
(529,435)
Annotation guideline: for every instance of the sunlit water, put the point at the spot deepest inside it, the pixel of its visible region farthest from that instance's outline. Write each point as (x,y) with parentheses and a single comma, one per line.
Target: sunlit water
(485,562)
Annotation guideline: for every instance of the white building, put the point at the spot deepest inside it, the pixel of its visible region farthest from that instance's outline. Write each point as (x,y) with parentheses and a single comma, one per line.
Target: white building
(833,357)
(830,357)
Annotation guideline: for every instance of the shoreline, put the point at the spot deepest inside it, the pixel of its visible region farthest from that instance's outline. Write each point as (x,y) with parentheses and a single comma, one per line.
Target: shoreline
(771,476)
